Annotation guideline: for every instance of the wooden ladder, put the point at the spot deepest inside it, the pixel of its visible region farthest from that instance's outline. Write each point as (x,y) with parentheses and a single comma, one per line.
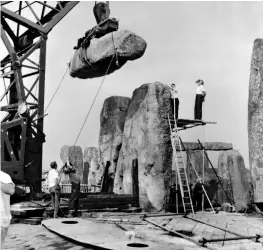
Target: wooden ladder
(180,167)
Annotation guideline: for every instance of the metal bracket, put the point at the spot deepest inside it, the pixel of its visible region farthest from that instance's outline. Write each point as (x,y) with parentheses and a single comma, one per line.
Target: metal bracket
(203,242)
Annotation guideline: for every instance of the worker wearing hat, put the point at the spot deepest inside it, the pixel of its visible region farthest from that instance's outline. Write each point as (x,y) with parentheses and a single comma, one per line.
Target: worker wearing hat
(75,188)
(199,99)
(54,188)
(198,193)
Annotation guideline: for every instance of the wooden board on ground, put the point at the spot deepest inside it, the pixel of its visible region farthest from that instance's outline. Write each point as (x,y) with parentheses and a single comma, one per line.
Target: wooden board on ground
(218,233)
(209,230)
(172,223)
(107,236)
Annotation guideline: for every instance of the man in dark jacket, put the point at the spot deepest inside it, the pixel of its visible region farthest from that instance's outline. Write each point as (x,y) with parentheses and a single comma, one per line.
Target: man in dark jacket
(198,193)
(75,188)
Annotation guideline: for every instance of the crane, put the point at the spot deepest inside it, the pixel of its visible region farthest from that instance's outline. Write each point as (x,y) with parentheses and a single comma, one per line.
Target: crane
(23,77)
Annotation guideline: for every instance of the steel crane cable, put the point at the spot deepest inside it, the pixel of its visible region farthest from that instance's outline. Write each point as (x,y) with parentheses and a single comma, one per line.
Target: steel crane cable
(52,98)
(115,54)
(94,100)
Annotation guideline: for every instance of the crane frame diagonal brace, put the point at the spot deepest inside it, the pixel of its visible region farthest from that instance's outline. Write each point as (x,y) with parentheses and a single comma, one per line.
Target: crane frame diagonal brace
(59,16)
(20,20)
(30,147)
(22,142)
(16,165)
(16,67)
(31,25)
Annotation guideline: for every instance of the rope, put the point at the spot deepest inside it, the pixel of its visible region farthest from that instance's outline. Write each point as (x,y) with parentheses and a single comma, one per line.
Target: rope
(203,197)
(97,91)
(93,101)
(117,62)
(56,89)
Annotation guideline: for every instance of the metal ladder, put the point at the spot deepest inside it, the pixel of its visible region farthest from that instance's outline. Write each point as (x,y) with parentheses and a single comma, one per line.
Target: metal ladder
(180,168)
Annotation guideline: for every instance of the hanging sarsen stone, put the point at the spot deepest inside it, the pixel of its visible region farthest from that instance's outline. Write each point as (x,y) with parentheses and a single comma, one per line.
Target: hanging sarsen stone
(94,61)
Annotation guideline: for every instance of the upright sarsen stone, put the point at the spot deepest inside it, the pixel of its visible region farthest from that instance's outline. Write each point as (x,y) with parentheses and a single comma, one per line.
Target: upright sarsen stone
(75,156)
(92,163)
(255,119)
(112,120)
(146,137)
(236,179)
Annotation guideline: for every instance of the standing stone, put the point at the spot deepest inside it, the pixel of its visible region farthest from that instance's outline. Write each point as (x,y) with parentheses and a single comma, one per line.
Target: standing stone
(75,156)
(92,162)
(255,119)
(200,162)
(211,146)
(236,179)
(146,137)
(112,120)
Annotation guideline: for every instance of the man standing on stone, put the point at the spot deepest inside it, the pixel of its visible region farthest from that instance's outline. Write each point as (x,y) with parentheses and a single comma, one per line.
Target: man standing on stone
(54,188)
(199,99)
(75,188)
(7,189)
(174,100)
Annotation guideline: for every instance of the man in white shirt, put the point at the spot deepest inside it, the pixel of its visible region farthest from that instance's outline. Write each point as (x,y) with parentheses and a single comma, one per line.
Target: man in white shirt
(174,100)
(54,188)
(7,189)
(199,99)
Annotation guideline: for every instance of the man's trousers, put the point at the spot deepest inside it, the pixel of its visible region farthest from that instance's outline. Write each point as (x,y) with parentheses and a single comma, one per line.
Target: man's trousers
(198,106)
(74,198)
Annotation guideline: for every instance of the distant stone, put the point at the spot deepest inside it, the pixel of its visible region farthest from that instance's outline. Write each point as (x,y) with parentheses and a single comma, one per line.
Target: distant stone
(255,118)
(112,120)
(197,157)
(75,156)
(95,171)
(146,137)
(216,146)
(236,180)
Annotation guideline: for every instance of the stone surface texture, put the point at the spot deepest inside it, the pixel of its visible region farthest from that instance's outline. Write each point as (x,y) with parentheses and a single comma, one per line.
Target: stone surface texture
(255,119)
(112,120)
(75,156)
(94,61)
(146,137)
(92,162)
(229,164)
(236,179)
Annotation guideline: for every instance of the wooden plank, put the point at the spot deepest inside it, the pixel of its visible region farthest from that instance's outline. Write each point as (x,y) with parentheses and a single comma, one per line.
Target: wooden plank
(218,233)
(172,223)
(242,229)
(232,227)
(186,225)
(165,221)
(183,225)
(199,229)
(209,230)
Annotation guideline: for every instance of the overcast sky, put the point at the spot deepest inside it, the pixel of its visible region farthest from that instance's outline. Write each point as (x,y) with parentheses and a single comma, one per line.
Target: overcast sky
(186,41)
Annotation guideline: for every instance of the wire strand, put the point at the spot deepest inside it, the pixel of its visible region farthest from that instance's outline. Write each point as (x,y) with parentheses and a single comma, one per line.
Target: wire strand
(94,101)
(56,89)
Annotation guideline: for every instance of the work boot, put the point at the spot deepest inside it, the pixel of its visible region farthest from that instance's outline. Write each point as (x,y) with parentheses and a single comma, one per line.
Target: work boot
(57,217)
(75,214)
